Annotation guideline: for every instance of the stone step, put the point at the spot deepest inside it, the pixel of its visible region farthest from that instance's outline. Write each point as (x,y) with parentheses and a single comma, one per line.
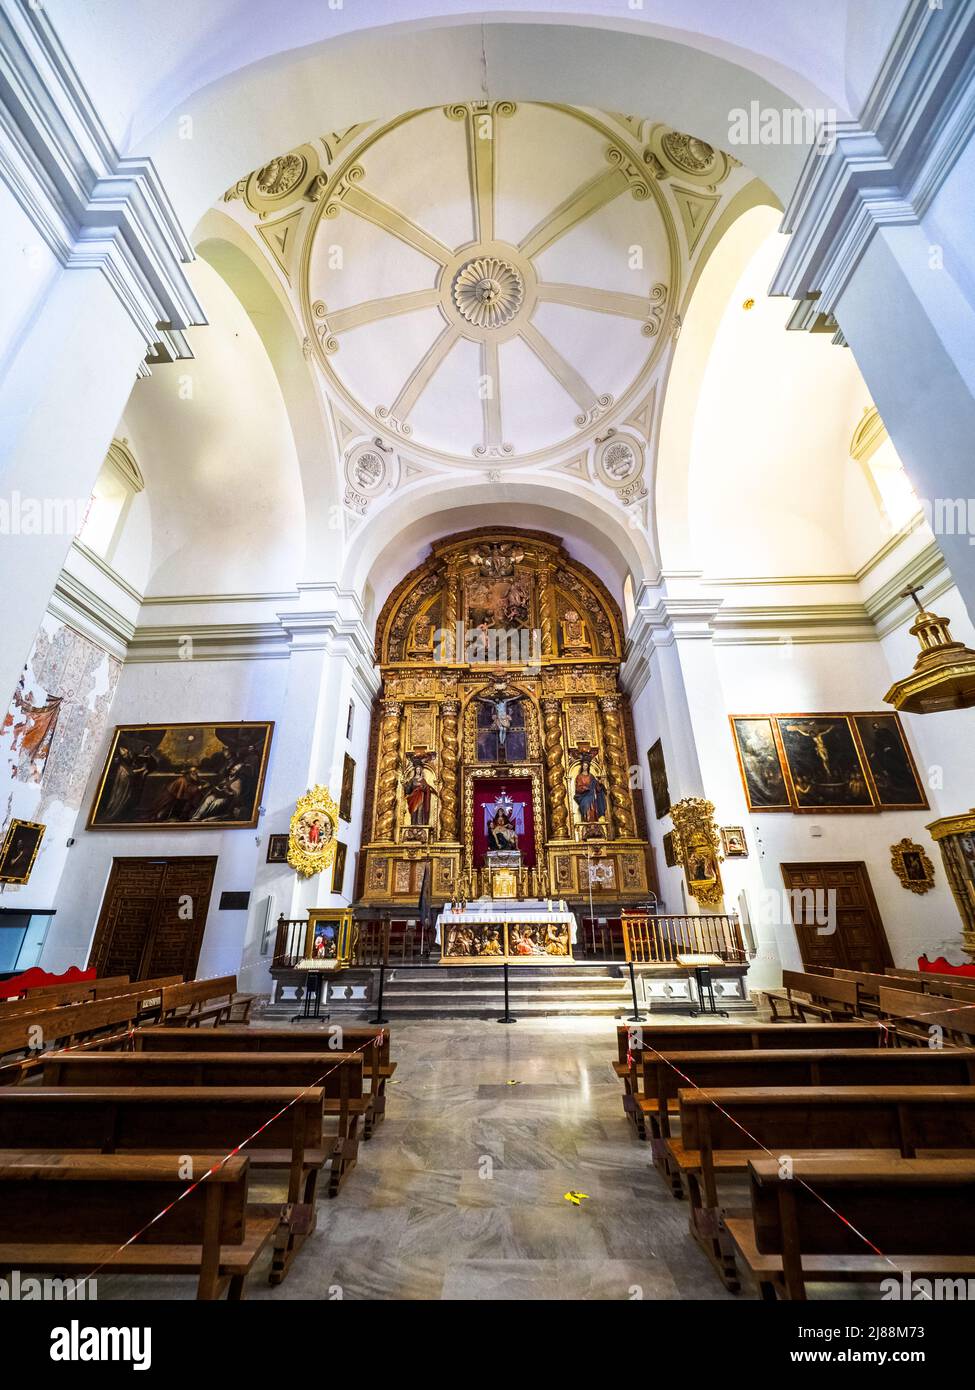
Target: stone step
(489,995)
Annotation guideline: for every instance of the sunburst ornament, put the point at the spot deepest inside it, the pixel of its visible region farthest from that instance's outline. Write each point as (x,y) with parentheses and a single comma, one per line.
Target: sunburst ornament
(311,842)
(488,292)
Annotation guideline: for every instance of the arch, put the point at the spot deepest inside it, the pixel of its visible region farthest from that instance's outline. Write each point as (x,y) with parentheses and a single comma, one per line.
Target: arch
(235,258)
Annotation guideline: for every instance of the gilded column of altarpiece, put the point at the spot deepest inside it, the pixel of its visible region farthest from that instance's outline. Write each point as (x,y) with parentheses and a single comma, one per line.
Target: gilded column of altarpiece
(500,661)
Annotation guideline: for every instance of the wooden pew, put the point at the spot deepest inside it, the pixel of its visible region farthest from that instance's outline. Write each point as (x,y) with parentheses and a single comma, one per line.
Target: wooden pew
(721,1129)
(201,1001)
(920,1212)
(665,1075)
(911,1017)
(284,1132)
(70,1213)
(231,1038)
(687,1037)
(54,996)
(70,1025)
(826,998)
(338,1075)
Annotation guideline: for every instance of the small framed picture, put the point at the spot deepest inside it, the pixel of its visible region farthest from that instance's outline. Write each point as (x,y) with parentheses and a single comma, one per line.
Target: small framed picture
(277,849)
(348,782)
(733,842)
(670,852)
(338,866)
(19,850)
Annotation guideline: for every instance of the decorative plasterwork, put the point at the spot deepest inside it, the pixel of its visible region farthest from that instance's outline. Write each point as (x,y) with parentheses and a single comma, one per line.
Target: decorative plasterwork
(886,169)
(868,435)
(93,208)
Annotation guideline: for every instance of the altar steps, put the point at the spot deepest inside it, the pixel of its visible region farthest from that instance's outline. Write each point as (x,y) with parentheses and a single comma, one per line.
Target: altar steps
(535,992)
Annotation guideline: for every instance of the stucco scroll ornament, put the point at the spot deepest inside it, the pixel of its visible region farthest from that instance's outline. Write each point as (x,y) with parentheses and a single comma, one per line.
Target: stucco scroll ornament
(311,842)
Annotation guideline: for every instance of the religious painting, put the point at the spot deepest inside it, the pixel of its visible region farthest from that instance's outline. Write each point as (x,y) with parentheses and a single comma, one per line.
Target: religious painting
(182,776)
(277,849)
(889,762)
(658,780)
(823,763)
(912,866)
(504,823)
(19,850)
(761,766)
(588,788)
(670,850)
(733,842)
(338,866)
(348,781)
(498,597)
(311,842)
(324,941)
(501,734)
(419,785)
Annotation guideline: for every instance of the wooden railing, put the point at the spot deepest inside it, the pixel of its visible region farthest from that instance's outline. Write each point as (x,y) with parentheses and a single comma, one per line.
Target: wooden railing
(660,940)
(289,942)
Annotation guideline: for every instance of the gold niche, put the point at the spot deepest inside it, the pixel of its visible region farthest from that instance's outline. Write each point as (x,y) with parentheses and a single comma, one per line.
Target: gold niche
(501,730)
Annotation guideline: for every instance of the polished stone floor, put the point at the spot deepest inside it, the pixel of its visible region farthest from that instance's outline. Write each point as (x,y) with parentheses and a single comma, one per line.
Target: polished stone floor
(461,1193)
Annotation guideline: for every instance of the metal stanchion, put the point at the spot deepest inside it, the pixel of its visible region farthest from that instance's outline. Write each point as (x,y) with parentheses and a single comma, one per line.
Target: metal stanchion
(379,1002)
(636,1016)
(508,1016)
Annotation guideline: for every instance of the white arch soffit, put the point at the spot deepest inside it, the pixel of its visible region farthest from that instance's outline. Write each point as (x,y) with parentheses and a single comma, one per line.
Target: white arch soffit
(720,274)
(241,121)
(234,256)
(600,522)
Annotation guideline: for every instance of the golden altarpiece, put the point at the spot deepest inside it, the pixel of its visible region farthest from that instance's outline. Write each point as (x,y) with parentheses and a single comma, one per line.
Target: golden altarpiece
(501,742)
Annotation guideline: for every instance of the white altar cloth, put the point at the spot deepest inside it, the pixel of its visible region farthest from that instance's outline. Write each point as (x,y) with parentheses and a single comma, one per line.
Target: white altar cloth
(506,910)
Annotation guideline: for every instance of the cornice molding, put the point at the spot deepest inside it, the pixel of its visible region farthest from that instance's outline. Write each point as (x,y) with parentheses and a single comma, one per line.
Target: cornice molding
(93,208)
(886,168)
(74,603)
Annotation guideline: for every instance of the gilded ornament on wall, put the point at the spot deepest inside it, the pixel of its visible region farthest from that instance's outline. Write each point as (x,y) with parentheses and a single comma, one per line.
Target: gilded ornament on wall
(311,841)
(697,842)
(912,866)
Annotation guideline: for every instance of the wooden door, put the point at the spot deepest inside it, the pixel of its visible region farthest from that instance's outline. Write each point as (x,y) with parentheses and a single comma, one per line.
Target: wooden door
(152,918)
(859,941)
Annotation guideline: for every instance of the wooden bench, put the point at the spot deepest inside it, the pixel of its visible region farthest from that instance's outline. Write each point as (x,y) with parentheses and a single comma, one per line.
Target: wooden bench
(23,1039)
(373,1042)
(287,1134)
(911,1017)
(52,996)
(632,1039)
(665,1075)
(71,1213)
(826,998)
(202,1001)
(919,1212)
(721,1129)
(338,1075)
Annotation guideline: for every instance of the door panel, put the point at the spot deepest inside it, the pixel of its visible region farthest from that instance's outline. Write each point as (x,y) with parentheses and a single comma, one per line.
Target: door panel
(859,941)
(152,918)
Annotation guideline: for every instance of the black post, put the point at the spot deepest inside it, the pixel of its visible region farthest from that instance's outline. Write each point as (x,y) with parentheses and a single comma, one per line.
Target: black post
(508,1016)
(636,1016)
(379,1002)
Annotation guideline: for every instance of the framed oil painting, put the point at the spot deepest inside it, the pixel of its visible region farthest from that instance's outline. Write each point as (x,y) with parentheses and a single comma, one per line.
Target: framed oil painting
(348,782)
(658,780)
(338,867)
(889,762)
(19,850)
(182,776)
(823,763)
(760,763)
(670,851)
(733,842)
(277,849)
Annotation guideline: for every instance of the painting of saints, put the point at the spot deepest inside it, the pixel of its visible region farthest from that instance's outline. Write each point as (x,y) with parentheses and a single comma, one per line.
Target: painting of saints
(589,792)
(419,786)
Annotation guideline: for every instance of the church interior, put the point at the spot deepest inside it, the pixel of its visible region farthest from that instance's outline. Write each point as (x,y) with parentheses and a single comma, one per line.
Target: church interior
(487,539)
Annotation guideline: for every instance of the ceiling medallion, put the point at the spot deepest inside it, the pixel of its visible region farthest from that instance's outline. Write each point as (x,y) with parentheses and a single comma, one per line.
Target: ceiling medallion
(687,152)
(488,292)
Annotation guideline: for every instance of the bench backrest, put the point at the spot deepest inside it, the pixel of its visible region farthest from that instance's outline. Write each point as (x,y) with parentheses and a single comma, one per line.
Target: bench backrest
(689,1037)
(871,983)
(790,1119)
(921,1207)
(243,1038)
(158,1119)
(664,1077)
(104,1199)
(198,992)
(336,1073)
(49,1027)
(52,996)
(929,1011)
(822,987)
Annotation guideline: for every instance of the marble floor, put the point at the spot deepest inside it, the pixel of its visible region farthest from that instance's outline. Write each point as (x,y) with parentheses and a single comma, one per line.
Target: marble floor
(461,1193)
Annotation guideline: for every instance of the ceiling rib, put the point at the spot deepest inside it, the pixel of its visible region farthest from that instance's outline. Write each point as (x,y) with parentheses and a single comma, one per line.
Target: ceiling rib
(374,210)
(341,320)
(420,377)
(490,374)
(630,306)
(588,198)
(565,374)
